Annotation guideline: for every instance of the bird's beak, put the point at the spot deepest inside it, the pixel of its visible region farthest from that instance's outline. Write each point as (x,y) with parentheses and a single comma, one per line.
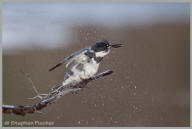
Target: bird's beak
(116,45)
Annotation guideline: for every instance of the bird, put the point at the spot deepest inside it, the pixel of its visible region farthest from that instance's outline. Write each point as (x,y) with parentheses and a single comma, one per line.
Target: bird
(84,63)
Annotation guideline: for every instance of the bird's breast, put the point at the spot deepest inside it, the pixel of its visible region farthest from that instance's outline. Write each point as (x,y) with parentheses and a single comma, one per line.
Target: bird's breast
(91,68)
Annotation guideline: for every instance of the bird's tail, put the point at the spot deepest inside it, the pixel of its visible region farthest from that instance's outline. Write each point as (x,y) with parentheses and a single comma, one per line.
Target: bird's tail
(57,65)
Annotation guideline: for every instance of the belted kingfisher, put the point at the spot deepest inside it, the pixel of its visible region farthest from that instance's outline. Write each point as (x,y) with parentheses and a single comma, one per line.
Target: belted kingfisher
(84,63)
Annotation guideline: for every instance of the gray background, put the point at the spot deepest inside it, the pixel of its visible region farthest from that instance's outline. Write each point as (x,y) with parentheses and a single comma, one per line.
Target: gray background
(150,83)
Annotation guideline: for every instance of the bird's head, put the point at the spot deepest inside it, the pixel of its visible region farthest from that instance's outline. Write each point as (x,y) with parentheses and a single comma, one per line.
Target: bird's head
(103,47)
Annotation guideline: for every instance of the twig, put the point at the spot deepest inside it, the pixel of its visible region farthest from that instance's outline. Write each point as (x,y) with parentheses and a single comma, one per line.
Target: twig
(30,81)
(50,97)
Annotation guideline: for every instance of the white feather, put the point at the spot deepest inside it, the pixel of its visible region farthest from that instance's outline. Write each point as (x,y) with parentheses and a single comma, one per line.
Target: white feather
(90,69)
(102,53)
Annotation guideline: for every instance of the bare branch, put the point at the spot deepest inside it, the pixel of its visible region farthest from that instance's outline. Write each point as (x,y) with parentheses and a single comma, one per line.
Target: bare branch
(49,98)
(30,81)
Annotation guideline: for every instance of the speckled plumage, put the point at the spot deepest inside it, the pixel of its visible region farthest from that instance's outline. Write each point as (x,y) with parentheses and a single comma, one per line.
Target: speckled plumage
(84,63)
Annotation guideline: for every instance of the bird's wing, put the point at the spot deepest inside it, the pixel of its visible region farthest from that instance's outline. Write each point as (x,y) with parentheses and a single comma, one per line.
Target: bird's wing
(74,56)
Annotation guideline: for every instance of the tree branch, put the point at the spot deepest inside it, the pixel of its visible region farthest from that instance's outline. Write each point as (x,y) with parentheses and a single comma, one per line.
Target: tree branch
(52,96)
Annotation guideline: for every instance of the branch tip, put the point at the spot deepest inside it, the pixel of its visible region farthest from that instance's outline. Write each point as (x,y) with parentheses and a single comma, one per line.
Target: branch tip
(49,98)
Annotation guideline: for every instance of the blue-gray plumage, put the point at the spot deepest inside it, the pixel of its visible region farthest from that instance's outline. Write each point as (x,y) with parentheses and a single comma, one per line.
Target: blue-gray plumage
(84,63)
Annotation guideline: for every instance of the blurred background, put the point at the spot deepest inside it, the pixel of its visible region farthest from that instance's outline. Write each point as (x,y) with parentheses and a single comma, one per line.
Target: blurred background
(150,83)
